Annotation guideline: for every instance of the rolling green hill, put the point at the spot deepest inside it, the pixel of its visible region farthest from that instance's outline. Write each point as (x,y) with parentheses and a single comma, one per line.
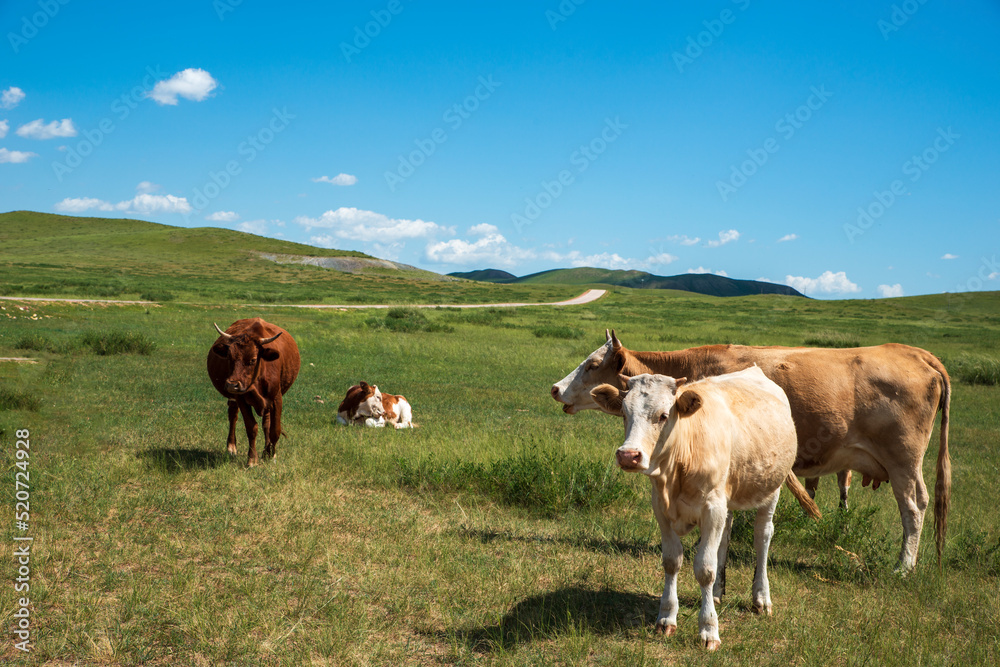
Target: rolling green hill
(702,283)
(45,255)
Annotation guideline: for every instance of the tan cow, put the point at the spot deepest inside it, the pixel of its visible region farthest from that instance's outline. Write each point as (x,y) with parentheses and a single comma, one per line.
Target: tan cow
(397,411)
(869,409)
(709,447)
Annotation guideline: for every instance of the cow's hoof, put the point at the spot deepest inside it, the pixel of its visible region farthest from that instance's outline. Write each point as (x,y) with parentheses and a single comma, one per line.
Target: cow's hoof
(666,630)
(717,600)
(252,463)
(712,644)
(758,608)
(231,449)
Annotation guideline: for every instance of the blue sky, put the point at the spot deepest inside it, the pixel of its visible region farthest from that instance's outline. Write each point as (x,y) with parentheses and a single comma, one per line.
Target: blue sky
(851,150)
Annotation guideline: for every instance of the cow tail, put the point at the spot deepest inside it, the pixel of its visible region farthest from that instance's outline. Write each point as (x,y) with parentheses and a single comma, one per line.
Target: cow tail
(801,495)
(942,487)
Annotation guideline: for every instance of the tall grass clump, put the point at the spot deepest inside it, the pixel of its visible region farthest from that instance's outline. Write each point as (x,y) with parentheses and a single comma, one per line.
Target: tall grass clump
(34,341)
(407,320)
(832,339)
(157,295)
(975,369)
(557,331)
(118,342)
(14,399)
(551,485)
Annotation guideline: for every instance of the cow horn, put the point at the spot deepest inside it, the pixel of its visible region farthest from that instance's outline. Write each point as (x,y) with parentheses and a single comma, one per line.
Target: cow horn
(265,341)
(615,343)
(221,332)
(607,335)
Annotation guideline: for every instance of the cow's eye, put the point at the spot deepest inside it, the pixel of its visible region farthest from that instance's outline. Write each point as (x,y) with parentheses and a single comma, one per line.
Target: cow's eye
(593,366)
(663,417)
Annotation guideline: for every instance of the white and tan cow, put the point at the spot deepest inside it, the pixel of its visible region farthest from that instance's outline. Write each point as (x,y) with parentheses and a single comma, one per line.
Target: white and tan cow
(709,447)
(366,404)
(397,411)
(868,409)
(362,405)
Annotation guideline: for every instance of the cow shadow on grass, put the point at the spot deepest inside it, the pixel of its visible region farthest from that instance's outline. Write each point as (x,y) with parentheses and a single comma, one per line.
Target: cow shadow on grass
(571,609)
(174,460)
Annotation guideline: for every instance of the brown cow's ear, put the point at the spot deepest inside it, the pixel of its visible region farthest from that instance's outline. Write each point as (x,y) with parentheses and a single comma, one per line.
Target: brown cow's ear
(608,397)
(269,354)
(680,381)
(688,403)
(221,350)
(363,385)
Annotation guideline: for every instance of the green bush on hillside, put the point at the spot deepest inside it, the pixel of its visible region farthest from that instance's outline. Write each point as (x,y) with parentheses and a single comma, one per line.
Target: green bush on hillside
(118,342)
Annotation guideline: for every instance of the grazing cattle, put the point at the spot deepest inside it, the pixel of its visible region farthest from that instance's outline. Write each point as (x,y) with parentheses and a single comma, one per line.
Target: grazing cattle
(869,409)
(253,363)
(723,443)
(361,405)
(397,410)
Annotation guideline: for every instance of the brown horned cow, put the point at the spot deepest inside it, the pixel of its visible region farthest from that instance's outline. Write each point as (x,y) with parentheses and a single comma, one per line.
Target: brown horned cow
(869,409)
(253,363)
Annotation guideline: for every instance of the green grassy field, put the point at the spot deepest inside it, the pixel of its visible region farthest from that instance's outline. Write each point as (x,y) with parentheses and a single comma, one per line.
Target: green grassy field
(499,532)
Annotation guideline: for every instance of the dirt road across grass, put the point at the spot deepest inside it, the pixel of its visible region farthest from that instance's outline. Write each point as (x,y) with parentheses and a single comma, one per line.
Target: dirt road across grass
(586,297)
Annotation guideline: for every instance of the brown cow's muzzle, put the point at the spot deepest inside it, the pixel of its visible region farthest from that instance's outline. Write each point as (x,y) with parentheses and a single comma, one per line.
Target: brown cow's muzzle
(629,459)
(236,388)
(567,408)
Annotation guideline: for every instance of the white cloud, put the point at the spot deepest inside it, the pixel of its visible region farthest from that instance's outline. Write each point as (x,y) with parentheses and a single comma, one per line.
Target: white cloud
(141,204)
(948,255)
(483,229)
(788,237)
(11,97)
(684,240)
(15,156)
(39,129)
(223,216)
(191,84)
(724,237)
(388,251)
(146,187)
(81,204)
(702,269)
(339,179)
(360,225)
(993,276)
(145,204)
(487,251)
(611,260)
(889,291)
(828,283)
(258,227)
(4,128)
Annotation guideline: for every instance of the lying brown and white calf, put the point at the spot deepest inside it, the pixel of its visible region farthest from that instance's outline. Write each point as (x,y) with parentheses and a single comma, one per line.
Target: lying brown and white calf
(365,404)
(723,443)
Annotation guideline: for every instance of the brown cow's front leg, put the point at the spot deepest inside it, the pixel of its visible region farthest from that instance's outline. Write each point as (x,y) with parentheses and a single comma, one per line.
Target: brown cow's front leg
(265,423)
(231,441)
(251,423)
(274,431)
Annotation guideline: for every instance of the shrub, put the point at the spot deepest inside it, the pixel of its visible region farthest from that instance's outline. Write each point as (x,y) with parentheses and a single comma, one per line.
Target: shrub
(556,331)
(118,342)
(13,399)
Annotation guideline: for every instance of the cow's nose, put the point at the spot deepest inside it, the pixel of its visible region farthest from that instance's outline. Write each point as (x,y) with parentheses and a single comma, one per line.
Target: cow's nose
(629,458)
(555,392)
(233,386)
